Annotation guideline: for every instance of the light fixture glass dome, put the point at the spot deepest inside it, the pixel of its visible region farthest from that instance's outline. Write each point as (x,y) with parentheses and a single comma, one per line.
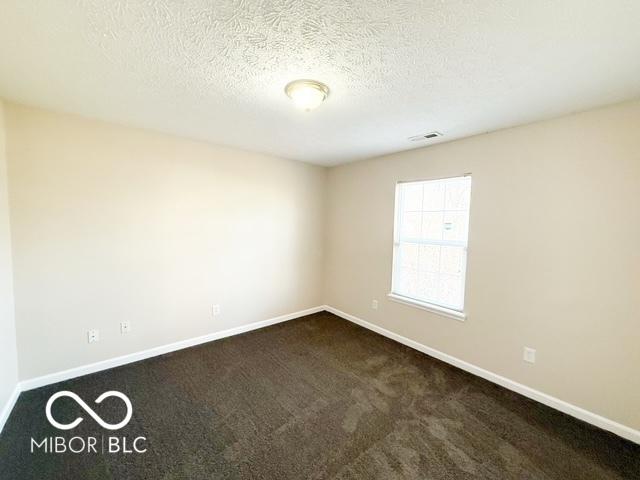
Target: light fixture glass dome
(307,94)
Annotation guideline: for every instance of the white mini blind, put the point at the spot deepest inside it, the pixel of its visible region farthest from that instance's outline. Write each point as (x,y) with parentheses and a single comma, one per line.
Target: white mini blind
(430,241)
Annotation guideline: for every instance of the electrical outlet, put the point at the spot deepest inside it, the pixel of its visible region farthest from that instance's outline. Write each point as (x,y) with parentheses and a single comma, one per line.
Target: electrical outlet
(215,310)
(374,304)
(125,327)
(93,336)
(529,355)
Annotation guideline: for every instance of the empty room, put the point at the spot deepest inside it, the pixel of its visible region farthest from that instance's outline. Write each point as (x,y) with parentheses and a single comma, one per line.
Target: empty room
(294,239)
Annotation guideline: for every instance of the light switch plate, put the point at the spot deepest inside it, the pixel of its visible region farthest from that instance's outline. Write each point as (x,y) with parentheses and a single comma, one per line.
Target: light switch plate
(529,355)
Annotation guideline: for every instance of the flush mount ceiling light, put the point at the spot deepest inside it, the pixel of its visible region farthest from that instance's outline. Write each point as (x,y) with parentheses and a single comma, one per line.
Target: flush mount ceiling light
(307,94)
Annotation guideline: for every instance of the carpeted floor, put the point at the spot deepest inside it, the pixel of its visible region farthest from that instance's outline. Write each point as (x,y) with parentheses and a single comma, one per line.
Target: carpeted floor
(313,398)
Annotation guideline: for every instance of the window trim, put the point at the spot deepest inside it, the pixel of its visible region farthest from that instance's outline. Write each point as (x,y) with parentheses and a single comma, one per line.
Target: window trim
(430,307)
(414,302)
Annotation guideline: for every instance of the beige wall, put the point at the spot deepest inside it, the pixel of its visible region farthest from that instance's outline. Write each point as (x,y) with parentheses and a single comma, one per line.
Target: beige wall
(554,254)
(111,224)
(8,355)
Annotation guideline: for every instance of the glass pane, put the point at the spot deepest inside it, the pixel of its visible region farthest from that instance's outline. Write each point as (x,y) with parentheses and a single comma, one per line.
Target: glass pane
(455,226)
(452,260)
(408,255)
(433,196)
(412,197)
(450,293)
(410,225)
(429,258)
(458,194)
(407,282)
(428,287)
(432,225)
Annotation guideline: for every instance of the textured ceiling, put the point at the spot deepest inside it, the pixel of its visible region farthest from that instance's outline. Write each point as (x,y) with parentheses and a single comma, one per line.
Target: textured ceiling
(215,70)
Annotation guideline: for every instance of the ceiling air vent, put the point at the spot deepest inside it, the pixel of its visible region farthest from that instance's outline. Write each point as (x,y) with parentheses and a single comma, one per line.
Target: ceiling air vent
(425,136)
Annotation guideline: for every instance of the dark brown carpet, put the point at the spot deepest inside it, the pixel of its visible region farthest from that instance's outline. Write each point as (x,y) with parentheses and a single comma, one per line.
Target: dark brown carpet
(313,398)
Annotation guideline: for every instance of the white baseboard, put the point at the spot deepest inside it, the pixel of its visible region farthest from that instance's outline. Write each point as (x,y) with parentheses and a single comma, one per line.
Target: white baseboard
(553,402)
(8,406)
(153,352)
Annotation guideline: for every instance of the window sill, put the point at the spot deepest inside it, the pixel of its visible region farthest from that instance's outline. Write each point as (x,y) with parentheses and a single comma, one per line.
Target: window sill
(445,312)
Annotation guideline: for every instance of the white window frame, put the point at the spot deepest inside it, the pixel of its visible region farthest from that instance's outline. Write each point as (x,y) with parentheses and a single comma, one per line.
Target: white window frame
(415,302)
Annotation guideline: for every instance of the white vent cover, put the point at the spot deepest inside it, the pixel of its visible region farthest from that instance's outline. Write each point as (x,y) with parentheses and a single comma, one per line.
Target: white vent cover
(425,136)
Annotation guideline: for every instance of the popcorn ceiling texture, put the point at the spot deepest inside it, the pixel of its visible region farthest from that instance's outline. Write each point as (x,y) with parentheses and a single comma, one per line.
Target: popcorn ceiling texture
(216,70)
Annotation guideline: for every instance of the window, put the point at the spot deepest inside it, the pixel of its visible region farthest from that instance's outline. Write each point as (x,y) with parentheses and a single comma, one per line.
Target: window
(430,244)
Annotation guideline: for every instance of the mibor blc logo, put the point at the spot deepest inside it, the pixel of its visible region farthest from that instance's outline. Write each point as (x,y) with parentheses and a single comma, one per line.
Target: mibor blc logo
(92,444)
(89,410)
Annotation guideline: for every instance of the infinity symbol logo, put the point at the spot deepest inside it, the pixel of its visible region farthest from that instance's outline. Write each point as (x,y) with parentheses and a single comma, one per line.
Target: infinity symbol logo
(89,410)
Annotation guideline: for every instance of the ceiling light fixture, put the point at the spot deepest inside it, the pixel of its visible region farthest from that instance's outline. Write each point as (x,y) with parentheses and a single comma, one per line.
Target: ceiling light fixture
(307,94)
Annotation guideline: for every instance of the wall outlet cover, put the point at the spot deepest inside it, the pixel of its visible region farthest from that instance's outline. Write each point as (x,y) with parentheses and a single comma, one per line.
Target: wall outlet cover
(93,336)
